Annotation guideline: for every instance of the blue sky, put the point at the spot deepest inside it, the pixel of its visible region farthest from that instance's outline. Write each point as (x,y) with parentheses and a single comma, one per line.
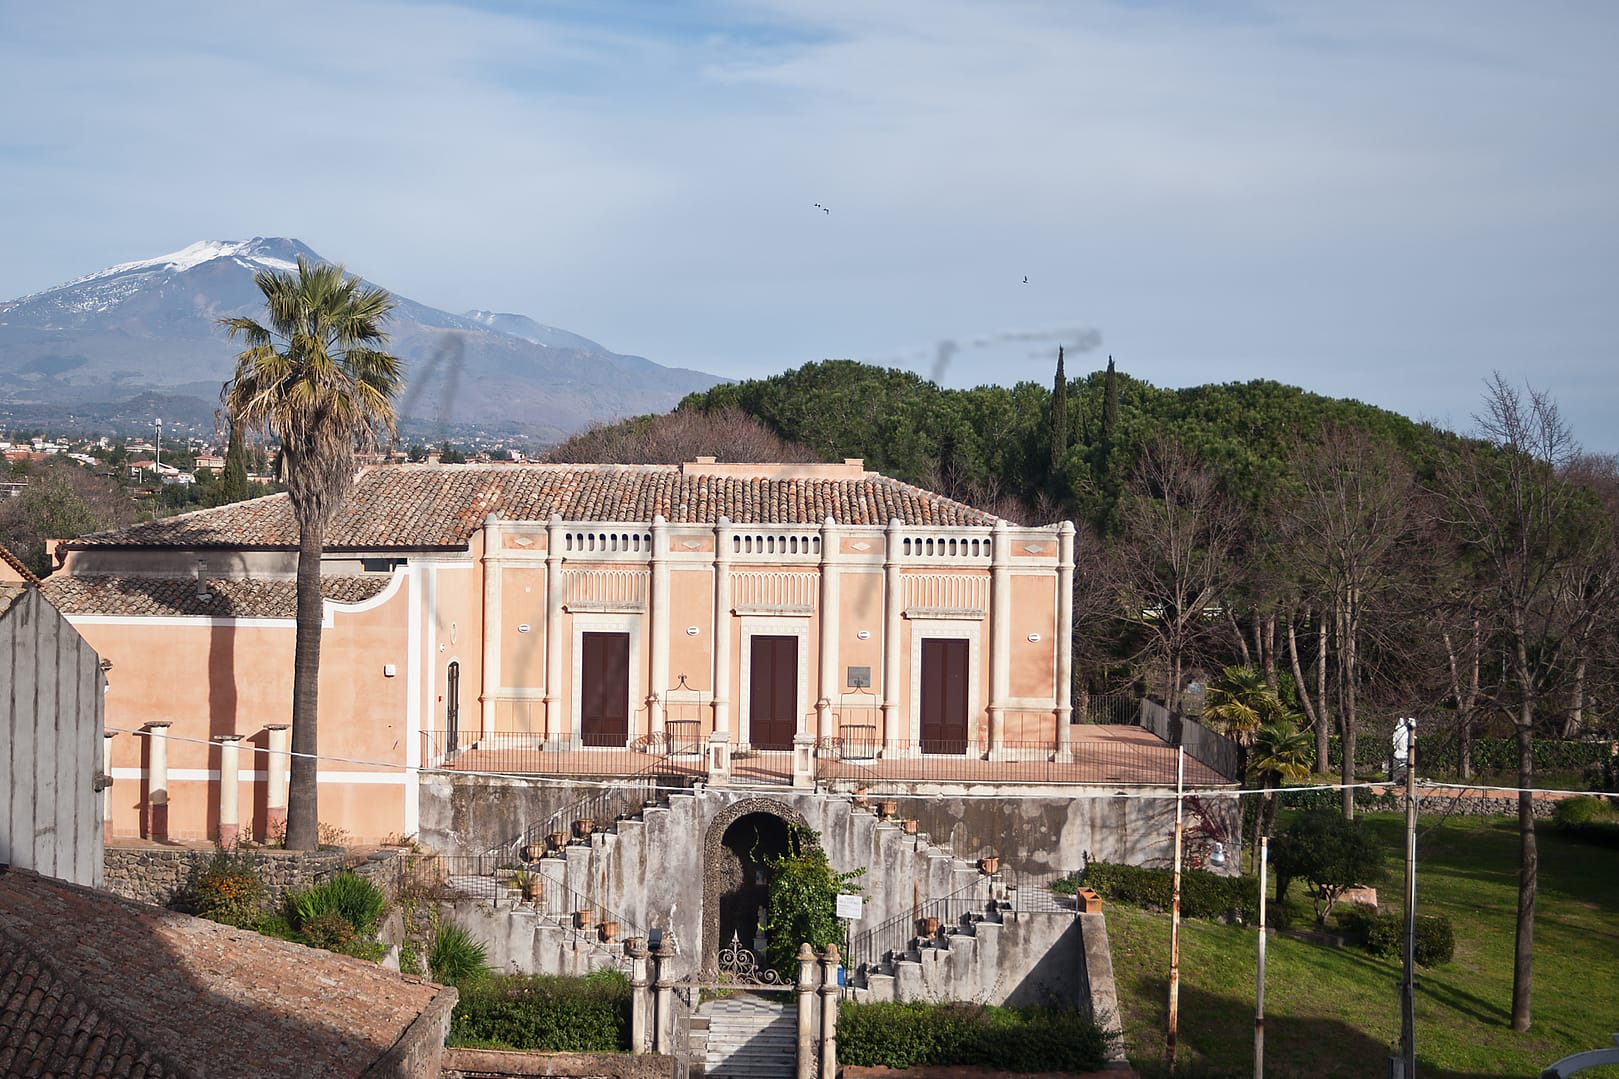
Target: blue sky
(1385,201)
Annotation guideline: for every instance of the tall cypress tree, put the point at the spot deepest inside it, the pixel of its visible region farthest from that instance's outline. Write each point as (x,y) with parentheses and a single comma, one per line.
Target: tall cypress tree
(235,481)
(1104,475)
(1059,424)
(1110,418)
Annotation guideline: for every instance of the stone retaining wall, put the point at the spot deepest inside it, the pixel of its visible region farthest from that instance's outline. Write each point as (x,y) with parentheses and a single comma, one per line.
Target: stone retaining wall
(160,875)
(459,1063)
(1468,805)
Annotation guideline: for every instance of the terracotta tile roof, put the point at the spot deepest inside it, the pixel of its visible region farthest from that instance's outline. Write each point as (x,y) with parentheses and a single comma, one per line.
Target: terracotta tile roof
(9,593)
(16,566)
(47,1027)
(416,506)
(97,985)
(227,598)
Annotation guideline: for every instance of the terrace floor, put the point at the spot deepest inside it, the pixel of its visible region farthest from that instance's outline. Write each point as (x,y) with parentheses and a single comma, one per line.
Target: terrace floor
(1098,754)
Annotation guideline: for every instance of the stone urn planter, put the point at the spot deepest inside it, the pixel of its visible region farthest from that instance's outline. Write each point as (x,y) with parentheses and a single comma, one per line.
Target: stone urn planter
(582,827)
(533,852)
(534,889)
(583,919)
(859,799)
(908,825)
(928,926)
(558,840)
(888,809)
(609,930)
(990,865)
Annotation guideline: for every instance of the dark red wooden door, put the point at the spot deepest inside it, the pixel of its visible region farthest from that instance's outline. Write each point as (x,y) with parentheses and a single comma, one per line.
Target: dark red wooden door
(944,696)
(604,692)
(773,686)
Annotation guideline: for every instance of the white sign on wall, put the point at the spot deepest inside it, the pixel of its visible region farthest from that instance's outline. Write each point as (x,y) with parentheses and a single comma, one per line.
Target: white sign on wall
(849,907)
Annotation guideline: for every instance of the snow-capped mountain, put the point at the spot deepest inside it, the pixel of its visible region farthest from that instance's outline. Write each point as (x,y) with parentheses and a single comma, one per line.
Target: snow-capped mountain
(150,327)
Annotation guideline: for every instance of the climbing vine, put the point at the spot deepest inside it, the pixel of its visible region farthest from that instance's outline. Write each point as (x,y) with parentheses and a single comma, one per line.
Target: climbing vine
(803,900)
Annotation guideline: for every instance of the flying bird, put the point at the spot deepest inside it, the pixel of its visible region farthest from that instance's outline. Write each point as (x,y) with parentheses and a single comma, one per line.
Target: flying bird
(821,208)
(1025,279)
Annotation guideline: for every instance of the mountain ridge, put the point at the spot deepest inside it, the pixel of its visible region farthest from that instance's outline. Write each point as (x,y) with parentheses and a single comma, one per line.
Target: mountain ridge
(87,347)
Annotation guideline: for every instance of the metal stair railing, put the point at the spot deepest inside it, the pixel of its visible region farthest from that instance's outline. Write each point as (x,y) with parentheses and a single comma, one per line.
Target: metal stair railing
(871,948)
(623,798)
(485,877)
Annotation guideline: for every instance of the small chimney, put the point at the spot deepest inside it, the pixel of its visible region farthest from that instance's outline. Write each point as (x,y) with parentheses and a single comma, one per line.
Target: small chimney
(203,595)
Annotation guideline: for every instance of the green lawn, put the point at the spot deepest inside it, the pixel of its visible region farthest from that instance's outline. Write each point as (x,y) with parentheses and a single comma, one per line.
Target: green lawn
(1335,1011)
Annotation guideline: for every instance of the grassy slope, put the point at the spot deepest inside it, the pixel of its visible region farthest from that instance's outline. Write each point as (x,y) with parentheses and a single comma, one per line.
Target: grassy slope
(1335,1012)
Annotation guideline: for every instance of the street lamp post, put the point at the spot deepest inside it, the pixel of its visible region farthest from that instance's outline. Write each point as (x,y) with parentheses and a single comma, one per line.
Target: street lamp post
(158,446)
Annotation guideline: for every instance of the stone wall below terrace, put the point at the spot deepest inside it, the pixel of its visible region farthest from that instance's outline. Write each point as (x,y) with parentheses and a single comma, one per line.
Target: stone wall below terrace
(459,1063)
(1472,805)
(162,875)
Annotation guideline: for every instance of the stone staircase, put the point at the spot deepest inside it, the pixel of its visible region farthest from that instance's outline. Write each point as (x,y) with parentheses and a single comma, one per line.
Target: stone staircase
(747,1037)
(632,865)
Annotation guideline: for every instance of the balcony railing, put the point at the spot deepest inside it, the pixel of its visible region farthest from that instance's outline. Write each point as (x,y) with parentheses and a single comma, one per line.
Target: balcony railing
(856,757)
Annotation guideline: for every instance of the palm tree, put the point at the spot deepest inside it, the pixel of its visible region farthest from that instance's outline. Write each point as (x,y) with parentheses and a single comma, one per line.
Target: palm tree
(1281,754)
(317,379)
(1240,702)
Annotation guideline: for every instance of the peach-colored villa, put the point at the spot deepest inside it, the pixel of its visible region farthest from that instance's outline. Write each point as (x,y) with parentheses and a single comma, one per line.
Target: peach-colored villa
(586,615)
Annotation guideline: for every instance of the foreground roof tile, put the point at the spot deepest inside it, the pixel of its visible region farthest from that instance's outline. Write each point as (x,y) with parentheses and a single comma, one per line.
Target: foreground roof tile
(98,985)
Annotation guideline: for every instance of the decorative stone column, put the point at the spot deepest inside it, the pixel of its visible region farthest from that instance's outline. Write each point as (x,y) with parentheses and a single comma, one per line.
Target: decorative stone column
(830,961)
(893,658)
(556,723)
(831,684)
(641,1006)
(491,621)
(157,781)
(806,1012)
(663,1018)
(1065,638)
(1000,638)
(803,760)
(719,759)
(722,627)
(276,768)
(103,782)
(230,778)
(658,622)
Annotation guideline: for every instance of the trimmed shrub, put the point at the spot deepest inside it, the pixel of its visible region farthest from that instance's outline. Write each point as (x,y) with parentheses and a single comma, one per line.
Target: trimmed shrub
(1585,809)
(1203,895)
(229,890)
(1385,935)
(454,958)
(347,895)
(1435,940)
(1592,820)
(917,1034)
(1442,753)
(545,1014)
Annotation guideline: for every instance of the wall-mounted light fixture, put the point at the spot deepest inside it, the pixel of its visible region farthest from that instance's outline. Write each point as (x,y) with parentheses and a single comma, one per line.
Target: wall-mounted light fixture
(864,634)
(1034,638)
(691,631)
(389,670)
(523,628)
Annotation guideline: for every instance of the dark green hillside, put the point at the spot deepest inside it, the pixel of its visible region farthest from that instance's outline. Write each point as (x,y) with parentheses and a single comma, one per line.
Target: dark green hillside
(990,442)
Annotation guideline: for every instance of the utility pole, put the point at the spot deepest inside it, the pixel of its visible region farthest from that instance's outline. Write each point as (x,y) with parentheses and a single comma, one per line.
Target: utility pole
(158,449)
(1405,1065)
(1259,996)
(1175,917)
